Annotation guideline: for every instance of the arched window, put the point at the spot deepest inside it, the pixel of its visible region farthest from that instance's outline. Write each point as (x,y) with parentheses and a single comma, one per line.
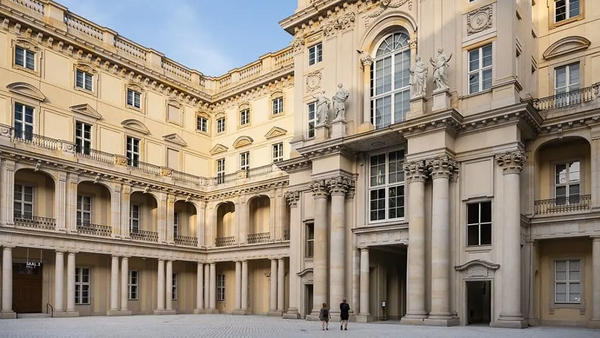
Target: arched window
(390,76)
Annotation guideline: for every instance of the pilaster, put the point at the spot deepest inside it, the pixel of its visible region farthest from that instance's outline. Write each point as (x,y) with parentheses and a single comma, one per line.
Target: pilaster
(8,183)
(169,288)
(242,222)
(59,281)
(71,220)
(61,202)
(238,288)
(273,289)
(320,194)
(280,285)
(213,289)
(367,63)
(293,197)
(160,288)
(170,213)
(71,312)
(364,313)
(124,287)
(595,321)
(114,287)
(199,292)
(7,284)
(245,287)
(161,224)
(125,211)
(200,223)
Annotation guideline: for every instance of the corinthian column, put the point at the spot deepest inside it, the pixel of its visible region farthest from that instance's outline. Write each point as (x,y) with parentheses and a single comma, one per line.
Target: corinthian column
(338,187)
(595,321)
(510,315)
(319,189)
(295,257)
(416,175)
(441,169)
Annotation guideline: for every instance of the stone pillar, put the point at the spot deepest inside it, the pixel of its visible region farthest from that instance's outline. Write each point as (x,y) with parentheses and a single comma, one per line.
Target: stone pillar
(529,296)
(338,187)
(319,189)
(200,223)
(282,219)
(280,286)
(115,206)
(441,169)
(273,226)
(292,198)
(7,284)
(114,286)
(71,284)
(169,288)
(595,282)
(161,224)
(242,220)
(207,287)
(245,286)
(71,219)
(416,175)
(273,288)
(7,210)
(213,288)
(211,224)
(59,281)
(61,202)
(125,210)
(160,288)
(199,291)
(238,287)
(125,286)
(364,285)
(367,63)
(170,219)
(510,314)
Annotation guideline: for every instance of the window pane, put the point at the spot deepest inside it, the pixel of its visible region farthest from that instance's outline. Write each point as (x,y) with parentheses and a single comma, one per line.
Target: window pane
(19,56)
(487,79)
(486,234)
(396,202)
(473,213)
(573,8)
(487,55)
(30,60)
(486,212)
(473,83)
(473,235)
(474,60)
(561,293)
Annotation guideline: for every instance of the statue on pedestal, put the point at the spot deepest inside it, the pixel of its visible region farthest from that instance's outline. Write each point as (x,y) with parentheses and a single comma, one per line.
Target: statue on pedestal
(418,79)
(322,109)
(440,64)
(339,103)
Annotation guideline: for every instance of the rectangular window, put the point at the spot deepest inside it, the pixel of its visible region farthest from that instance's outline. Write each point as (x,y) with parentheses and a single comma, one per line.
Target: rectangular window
(83,137)
(567,281)
(312,119)
(220,125)
(480,69)
(315,54)
(82,286)
(24,58)
(133,284)
(202,124)
(309,252)
(84,80)
(133,151)
(174,289)
(566,80)
(220,287)
(245,161)
(23,122)
(244,117)
(176,224)
(278,105)
(221,171)
(386,186)
(479,223)
(134,218)
(567,183)
(566,9)
(23,201)
(134,99)
(84,210)
(278,152)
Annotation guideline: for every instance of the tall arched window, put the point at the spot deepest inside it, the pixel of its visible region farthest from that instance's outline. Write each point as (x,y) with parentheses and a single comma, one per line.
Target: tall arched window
(390,76)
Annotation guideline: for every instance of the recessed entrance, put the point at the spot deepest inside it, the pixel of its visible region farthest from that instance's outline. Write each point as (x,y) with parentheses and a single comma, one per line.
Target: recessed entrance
(27,287)
(479,302)
(308,300)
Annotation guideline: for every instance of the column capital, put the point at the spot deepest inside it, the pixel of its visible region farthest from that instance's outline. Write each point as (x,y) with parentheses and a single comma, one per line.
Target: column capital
(512,162)
(319,188)
(9,165)
(595,238)
(339,185)
(442,167)
(415,171)
(292,198)
(367,60)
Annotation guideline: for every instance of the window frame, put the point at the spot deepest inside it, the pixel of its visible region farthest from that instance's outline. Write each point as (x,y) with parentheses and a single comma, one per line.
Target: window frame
(479,224)
(81,140)
(311,122)
(309,243)
(133,285)
(132,103)
(244,117)
(579,182)
(22,202)
(552,305)
(221,124)
(480,69)
(85,78)
(245,161)
(277,106)
(81,211)
(220,170)
(133,219)
(174,290)
(567,87)
(80,284)
(220,296)
(277,152)
(175,224)
(24,59)
(25,108)
(387,186)
(315,53)
(568,19)
(133,156)
(201,124)
(568,281)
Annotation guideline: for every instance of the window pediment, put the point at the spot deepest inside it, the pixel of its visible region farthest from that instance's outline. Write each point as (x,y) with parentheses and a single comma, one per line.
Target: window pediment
(26,90)
(25,43)
(218,148)
(174,103)
(136,87)
(277,93)
(175,139)
(275,132)
(569,44)
(242,141)
(220,115)
(87,110)
(477,268)
(244,105)
(86,67)
(135,125)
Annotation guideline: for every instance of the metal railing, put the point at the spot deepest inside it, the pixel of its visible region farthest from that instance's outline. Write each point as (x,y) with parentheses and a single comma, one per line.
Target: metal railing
(186,240)
(36,222)
(50,310)
(94,229)
(225,241)
(571,98)
(286,235)
(261,237)
(563,205)
(144,235)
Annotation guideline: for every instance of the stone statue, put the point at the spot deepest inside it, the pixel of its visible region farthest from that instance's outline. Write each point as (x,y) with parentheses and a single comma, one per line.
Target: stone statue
(339,103)
(322,108)
(440,64)
(418,80)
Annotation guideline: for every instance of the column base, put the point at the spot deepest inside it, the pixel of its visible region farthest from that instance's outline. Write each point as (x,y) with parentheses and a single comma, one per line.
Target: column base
(64,314)
(118,313)
(240,312)
(313,316)
(594,324)
(199,311)
(413,319)
(364,318)
(441,321)
(8,315)
(274,313)
(512,322)
(292,313)
(165,312)
(212,311)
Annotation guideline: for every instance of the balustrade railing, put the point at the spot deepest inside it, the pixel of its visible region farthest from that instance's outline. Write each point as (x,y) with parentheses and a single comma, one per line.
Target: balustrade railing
(36,222)
(223,179)
(251,70)
(37,140)
(284,56)
(130,48)
(261,237)
(87,228)
(177,70)
(225,241)
(144,235)
(147,168)
(286,235)
(34,5)
(98,155)
(559,205)
(183,177)
(571,98)
(261,171)
(83,26)
(186,240)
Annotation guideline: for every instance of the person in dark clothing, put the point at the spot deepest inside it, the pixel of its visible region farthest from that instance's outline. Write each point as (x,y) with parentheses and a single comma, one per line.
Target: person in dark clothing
(344,314)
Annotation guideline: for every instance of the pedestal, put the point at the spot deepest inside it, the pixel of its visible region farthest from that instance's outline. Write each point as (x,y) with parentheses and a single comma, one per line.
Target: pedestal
(417,107)
(322,132)
(66,314)
(441,100)
(274,314)
(114,313)
(291,314)
(338,129)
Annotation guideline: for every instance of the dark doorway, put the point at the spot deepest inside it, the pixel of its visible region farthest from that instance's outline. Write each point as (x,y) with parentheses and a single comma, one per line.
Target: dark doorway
(308,301)
(479,302)
(27,287)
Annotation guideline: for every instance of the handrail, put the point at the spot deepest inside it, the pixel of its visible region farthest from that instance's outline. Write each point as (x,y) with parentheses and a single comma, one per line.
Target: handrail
(570,98)
(562,205)
(51,312)
(15,309)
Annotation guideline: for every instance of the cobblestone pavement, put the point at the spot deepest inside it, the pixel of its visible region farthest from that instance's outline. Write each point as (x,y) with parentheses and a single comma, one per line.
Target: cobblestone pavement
(252,326)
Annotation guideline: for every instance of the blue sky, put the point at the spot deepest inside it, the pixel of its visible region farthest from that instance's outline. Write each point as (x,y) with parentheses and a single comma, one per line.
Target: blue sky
(212,36)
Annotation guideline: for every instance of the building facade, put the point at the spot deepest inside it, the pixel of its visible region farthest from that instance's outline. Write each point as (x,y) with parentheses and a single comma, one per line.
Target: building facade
(433,162)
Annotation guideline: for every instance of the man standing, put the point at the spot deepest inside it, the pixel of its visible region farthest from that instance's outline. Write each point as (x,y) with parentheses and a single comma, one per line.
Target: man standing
(344,314)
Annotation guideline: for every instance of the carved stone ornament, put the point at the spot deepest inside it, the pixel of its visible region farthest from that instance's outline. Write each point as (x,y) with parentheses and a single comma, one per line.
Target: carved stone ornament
(442,166)
(416,171)
(367,60)
(479,20)
(477,268)
(512,162)
(347,21)
(313,80)
(298,44)
(319,188)
(384,5)
(339,185)
(292,197)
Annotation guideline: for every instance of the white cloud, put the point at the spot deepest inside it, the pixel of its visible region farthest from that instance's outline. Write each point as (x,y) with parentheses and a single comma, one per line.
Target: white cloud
(174,28)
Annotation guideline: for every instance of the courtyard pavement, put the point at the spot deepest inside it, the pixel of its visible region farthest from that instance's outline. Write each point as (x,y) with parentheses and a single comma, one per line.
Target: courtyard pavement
(253,326)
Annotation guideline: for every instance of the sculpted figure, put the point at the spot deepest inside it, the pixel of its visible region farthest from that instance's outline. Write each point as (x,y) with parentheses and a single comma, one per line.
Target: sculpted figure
(440,64)
(322,108)
(418,79)
(339,103)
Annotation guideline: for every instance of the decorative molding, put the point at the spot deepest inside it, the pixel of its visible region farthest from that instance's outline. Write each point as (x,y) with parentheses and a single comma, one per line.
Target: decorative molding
(442,166)
(477,268)
(313,80)
(416,171)
(383,6)
(292,197)
(298,44)
(218,148)
(27,90)
(511,162)
(339,185)
(242,141)
(306,276)
(176,139)
(135,125)
(566,45)
(480,19)
(319,188)
(87,110)
(275,132)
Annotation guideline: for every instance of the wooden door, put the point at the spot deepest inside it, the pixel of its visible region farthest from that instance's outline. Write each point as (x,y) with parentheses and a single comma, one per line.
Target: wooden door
(27,289)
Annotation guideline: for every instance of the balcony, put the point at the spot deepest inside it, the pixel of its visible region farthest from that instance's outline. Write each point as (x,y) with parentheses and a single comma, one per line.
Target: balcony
(571,98)
(143,235)
(186,241)
(225,241)
(563,205)
(87,228)
(262,237)
(35,222)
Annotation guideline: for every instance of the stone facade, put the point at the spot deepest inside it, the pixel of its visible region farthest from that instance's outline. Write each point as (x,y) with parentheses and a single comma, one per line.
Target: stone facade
(312,174)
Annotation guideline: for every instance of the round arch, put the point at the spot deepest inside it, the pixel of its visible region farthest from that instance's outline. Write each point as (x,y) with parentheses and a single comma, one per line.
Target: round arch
(26,167)
(389,23)
(569,136)
(100,183)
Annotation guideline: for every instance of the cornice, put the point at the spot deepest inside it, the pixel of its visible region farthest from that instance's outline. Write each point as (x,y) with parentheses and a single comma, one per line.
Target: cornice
(237,191)
(477,262)
(294,164)
(314,12)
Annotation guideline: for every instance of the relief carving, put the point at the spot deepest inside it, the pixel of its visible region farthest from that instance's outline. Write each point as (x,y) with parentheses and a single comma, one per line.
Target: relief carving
(511,162)
(384,5)
(313,80)
(479,20)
